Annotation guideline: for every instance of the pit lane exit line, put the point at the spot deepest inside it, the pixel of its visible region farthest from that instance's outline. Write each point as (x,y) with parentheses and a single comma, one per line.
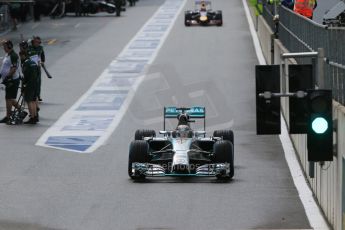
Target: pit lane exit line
(93,118)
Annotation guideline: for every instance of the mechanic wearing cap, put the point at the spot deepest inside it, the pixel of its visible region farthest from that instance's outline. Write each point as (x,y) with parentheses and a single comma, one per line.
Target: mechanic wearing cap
(36,54)
(10,78)
(24,47)
(30,85)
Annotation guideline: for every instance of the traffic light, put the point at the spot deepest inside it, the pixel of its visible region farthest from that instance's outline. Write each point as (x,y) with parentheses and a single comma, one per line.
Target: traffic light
(267,109)
(320,126)
(300,79)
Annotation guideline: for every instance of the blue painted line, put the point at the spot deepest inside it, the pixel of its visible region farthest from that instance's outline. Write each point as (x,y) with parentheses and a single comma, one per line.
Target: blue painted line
(145,44)
(156,28)
(127,67)
(78,143)
(104,100)
(89,123)
(120,82)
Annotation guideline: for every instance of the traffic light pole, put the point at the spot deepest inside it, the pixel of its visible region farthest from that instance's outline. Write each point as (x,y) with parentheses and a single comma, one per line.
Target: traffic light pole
(269,95)
(318,57)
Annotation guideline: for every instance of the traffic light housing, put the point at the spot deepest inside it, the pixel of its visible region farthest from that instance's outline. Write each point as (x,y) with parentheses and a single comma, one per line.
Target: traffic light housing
(320,126)
(267,110)
(300,79)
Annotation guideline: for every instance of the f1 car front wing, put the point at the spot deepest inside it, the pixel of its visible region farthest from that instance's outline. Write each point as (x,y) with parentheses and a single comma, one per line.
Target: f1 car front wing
(155,170)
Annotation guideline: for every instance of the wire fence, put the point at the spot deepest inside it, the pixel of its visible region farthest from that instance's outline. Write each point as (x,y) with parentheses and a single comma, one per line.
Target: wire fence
(268,12)
(299,34)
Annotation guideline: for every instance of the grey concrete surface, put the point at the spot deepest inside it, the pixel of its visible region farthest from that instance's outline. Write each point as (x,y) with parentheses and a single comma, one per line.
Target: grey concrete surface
(43,188)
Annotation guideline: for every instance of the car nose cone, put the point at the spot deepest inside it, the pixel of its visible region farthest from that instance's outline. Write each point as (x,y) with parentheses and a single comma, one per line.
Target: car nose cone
(203,18)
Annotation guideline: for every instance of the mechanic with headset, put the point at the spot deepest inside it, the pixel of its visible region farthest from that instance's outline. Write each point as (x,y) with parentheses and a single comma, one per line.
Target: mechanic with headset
(30,85)
(36,54)
(10,78)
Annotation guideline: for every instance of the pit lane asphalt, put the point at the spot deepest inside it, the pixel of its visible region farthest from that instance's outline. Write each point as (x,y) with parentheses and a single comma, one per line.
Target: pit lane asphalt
(43,188)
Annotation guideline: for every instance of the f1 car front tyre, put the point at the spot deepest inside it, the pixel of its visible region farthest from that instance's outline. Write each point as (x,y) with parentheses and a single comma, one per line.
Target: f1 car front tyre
(138,152)
(187,18)
(141,133)
(219,18)
(220,23)
(224,153)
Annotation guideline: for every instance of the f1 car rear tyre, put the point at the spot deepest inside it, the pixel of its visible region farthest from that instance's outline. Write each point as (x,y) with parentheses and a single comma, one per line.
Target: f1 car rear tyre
(138,152)
(141,133)
(226,134)
(224,153)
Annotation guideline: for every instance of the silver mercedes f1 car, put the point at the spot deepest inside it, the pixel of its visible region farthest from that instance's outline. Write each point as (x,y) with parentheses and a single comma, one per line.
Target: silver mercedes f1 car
(182,152)
(203,15)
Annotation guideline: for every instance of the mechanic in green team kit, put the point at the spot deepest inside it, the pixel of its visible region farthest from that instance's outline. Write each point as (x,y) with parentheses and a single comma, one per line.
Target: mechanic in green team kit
(36,54)
(30,85)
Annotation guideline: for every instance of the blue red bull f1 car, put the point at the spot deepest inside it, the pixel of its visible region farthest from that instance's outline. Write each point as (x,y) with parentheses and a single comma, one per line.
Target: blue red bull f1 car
(203,15)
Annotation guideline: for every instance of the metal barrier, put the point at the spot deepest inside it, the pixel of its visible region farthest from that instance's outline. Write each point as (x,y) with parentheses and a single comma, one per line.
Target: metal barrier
(299,34)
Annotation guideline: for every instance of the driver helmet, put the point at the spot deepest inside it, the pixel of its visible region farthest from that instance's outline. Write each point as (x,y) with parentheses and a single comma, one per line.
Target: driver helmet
(183,119)
(183,131)
(203,6)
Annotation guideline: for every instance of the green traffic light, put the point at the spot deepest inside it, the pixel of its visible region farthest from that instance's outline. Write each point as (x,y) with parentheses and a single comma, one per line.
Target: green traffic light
(319,125)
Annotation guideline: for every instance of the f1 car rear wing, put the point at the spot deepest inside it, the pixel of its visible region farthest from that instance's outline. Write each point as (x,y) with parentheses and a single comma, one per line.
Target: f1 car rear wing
(201,1)
(196,112)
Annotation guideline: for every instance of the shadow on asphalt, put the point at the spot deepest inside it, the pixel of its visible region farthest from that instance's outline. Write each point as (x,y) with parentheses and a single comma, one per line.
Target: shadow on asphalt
(9,225)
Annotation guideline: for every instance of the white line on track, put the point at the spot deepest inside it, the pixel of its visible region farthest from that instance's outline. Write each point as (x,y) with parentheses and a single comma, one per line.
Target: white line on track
(315,217)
